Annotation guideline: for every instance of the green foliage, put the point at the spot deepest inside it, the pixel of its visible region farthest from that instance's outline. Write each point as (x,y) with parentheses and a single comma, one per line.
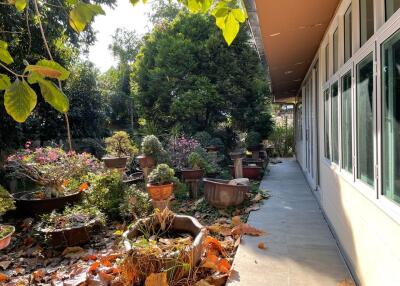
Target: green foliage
(181,190)
(82,14)
(120,144)
(106,192)
(7,203)
(19,100)
(161,175)
(5,56)
(5,230)
(282,139)
(136,203)
(197,161)
(253,139)
(151,146)
(203,137)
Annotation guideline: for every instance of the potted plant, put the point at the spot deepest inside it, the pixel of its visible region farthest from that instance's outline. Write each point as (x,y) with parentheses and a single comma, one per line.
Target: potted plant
(179,149)
(253,141)
(160,182)
(224,193)
(119,148)
(197,165)
(6,231)
(214,144)
(72,226)
(152,149)
(51,169)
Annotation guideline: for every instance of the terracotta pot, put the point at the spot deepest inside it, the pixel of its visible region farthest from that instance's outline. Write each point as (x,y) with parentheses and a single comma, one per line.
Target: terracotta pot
(250,172)
(220,194)
(35,207)
(5,241)
(192,174)
(211,148)
(115,162)
(67,237)
(146,161)
(160,192)
(255,148)
(180,224)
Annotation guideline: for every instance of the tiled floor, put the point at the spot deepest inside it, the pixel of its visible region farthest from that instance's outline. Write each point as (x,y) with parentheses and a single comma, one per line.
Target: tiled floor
(301,248)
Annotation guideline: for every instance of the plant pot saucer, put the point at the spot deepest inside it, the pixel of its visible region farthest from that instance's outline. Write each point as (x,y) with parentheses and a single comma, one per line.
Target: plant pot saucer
(5,241)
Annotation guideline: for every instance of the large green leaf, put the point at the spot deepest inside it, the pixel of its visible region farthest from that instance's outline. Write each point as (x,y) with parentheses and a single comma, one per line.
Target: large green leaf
(19,100)
(231,28)
(83,14)
(54,96)
(4,82)
(196,6)
(239,15)
(48,68)
(5,56)
(20,4)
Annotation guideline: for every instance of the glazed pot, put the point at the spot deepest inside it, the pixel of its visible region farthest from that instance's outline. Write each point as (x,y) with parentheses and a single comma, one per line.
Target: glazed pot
(180,224)
(35,207)
(250,172)
(220,194)
(211,148)
(146,161)
(160,192)
(115,162)
(71,236)
(5,241)
(192,174)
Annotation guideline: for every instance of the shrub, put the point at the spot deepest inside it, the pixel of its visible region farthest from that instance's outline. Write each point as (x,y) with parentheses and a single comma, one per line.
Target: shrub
(203,138)
(197,161)
(253,139)
(120,144)
(161,175)
(217,142)
(179,149)
(151,146)
(282,140)
(7,203)
(106,192)
(136,203)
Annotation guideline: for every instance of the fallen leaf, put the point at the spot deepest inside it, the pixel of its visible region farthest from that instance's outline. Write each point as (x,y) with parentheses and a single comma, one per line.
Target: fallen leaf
(220,229)
(74,252)
(261,245)
(236,220)
(5,264)
(259,197)
(3,277)
(94,266)
(244,228)
(38,275)
(76,280)
(214,262)
(211,243)
(237,242)
(105,277)
(202,282)
(218,279)
(156,279)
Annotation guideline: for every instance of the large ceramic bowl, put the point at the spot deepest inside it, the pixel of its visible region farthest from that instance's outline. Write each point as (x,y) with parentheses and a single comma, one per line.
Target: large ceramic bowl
(220,194)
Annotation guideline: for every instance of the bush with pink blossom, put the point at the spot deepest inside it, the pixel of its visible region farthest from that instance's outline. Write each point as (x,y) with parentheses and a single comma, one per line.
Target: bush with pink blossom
(179,149)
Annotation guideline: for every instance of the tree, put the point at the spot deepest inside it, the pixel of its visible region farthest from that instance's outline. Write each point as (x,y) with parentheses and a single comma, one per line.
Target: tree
(186,74)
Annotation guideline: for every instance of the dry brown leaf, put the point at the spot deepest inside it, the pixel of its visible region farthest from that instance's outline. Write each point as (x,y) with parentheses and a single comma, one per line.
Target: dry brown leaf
(202,282)
(105,277)
(218,279)
(236,220)
(237,242)
(244,228)
(74,252)
(94,266)
(38,275)
(220,229)
(214,262)
(156,279)
(3,277)
(5,264)
(259,197)
(346,282)
(76,280)
(261,245)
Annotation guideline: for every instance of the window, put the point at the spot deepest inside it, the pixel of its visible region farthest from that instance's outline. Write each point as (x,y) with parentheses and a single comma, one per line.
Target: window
(347,163)
(326,123)
(365,116)
(327,62)
(391,7)
(347,35)
(391,117)
(366,20)
(335,51)
(334,126)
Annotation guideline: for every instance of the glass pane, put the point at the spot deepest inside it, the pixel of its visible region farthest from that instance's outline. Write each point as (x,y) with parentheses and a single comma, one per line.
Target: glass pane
(335,51)
(366,19)
(365,116)
(327,62)
(391,7)
(347,35)
(391,117)
(335,118)
(326,123)
(347,163)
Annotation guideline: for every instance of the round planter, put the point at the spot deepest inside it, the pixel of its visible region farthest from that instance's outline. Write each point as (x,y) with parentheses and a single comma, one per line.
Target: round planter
(34,207)
(191,174)
(220,194)
(67,237)
(250,172)
(5,241)
(146,161)
(160,192)
(211,148)
(180,224)
(115,162)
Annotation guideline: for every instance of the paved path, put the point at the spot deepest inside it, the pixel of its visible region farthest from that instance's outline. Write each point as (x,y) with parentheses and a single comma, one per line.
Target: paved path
(301,248)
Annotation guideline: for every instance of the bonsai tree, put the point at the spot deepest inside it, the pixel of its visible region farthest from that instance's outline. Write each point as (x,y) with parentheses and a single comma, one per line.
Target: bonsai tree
(216,142)
(119,145)
(253,140)
(152,152)
(197,161)
(6,203)
(179,149)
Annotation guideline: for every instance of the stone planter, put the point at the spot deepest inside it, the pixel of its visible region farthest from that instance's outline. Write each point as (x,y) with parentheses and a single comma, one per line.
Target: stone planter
(160,192)
(250,172)
(5,241)
(191,174)
(146,161)
(180,224)
(115,162)
(35,207)
(220,194)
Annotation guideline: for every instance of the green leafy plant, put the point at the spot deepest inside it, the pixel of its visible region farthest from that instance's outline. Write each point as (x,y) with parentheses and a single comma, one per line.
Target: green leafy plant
(5,230)
(7,202)
(217,142)
(253,139)
(120,144)
(203,137)
(136,203)
(197,161)
(151,146)
(282,139)
(161,175)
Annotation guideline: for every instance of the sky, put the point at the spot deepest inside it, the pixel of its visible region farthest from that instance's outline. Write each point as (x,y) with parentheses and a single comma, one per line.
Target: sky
(124,15)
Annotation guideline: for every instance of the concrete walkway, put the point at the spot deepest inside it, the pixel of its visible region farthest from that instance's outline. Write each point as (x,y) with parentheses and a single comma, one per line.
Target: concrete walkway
(301,248)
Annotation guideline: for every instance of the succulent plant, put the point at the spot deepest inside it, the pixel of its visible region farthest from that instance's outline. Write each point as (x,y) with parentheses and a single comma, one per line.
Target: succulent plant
(161,175)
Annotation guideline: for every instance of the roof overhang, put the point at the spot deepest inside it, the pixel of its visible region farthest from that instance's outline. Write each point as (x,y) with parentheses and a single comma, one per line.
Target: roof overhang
(288,33)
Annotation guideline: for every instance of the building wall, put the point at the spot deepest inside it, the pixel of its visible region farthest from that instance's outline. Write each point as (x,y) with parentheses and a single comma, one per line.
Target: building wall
(366,223)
